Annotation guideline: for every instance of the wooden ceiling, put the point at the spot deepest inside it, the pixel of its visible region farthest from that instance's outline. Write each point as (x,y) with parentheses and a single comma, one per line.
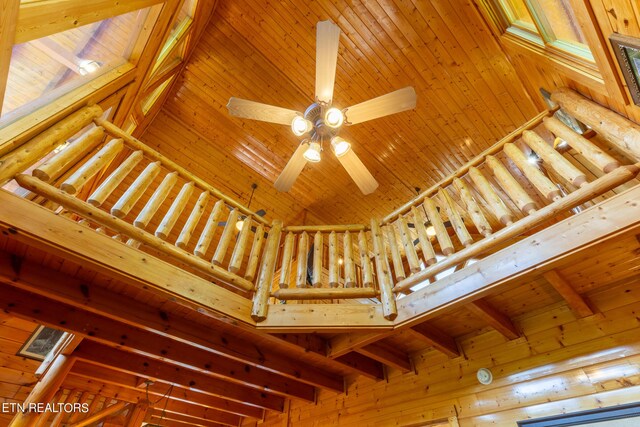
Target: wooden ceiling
(469,96)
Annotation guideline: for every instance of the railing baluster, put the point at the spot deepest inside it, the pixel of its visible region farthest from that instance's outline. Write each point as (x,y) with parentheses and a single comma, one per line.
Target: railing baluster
(396,259)
(79,178)
(472,207)
(334,266)
(428,253)
(192,221)
(349,267)
(446,246)
(156,200)
(389,308)
(209,230)
(111,183)
(263,288)
(178,205)
(225,239)
(455,218)
(561,165)
(533,174)
(496,204)
(303,249)
(582,145)
(241,246)
(511,186)
(287,258)
(61,162)
(365,260)
(254,255)
(316,279)
(130,197)
(407,242)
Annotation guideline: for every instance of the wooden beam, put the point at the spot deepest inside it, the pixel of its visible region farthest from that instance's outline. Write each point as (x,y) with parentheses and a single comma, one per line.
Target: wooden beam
(158,414)
(8,22)
(437,339)
(364,365)
(387,355)
(67,290)
(110,382)
(155,369)
(36,226)
(43,18)
(497,320)
(138,414)
(109,410)
(578,304)
(112,333)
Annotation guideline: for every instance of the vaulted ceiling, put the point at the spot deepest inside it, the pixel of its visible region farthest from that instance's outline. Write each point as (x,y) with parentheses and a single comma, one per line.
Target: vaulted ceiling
(469,96)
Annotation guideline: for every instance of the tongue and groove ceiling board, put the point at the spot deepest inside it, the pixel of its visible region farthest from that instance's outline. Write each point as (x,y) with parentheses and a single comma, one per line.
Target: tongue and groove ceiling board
(469,96)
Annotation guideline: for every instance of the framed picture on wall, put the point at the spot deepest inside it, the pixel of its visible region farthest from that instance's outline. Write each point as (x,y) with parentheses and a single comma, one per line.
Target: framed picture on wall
(627,51)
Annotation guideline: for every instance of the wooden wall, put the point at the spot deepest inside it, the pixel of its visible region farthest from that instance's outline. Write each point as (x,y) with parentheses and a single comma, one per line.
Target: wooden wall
(600,19)
(561,364)
(16,373)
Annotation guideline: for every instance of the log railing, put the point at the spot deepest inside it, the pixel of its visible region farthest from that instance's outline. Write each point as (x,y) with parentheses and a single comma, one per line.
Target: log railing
(522,183)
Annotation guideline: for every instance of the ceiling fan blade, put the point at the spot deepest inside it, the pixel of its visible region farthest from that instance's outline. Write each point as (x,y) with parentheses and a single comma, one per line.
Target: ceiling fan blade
(257,111)
(358,172)
(291,170)
(391,103)
(327,40)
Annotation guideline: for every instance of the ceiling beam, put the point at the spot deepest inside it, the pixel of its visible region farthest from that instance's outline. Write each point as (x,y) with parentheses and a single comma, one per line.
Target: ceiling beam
(187,378)
(112,333)
(578,304)
(159,414)
(387,355)
(64,289)
(496,319)
(437,339)
(364,365)
(157,389)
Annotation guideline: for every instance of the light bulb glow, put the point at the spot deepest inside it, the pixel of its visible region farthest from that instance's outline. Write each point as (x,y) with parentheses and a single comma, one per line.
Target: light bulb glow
(431,231)
(333,117)
(300,125)
(533,158)
(239,224)
(340,146)
(87,66)
(313,153)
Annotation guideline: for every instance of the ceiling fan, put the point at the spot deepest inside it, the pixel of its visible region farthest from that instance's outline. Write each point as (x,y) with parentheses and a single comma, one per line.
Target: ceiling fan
(321,121)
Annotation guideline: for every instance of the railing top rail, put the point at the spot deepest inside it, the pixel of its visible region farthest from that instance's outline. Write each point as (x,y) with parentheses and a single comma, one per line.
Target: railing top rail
(535,121)
(325,228)
(154,155)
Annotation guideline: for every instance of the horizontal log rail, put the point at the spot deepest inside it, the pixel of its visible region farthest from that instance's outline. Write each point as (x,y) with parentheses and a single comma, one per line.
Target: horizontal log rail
(521,182)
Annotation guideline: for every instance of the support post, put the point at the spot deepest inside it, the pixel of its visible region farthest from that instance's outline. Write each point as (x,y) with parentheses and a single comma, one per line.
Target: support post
(265,279)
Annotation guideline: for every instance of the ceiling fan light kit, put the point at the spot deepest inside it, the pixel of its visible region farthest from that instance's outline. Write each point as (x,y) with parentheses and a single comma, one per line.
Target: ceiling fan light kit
(321,121)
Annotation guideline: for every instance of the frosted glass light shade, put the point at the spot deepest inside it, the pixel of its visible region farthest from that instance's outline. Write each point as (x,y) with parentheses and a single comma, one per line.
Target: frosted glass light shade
(312,154)
(340,146)
(334,117)
(300,125)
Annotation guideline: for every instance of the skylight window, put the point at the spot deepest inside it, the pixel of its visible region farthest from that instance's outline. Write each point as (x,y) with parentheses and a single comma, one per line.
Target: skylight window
(43,69)
(40,343)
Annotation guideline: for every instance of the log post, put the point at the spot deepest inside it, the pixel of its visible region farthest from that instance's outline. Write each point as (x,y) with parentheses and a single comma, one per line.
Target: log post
(265,279)
(156,200)
(316,277)
(303,249)
(135,191)
(436,221)
(109,410)
(562,166)
(365,260)
(44,390)
(241,246)
(79,178)
(389,308)
(618,130)
(428,253)
(138,414)
(29,153)
(396,259)
(407,242)
(455,218)
(474,210)
(210,230)
(349,267)
(254,255)
(225,238)
(533,174)
(334,266)
(511,186)
(108,185)
(175,211)
(582,145)
(287,258)
(61,162)
(496,204)
(192,221)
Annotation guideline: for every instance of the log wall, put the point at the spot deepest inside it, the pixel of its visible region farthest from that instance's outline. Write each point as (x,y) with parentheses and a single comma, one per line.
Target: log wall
(561,364)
